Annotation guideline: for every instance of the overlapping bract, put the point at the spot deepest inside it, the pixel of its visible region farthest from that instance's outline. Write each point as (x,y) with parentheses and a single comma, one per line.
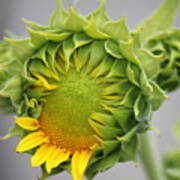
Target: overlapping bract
(168,45)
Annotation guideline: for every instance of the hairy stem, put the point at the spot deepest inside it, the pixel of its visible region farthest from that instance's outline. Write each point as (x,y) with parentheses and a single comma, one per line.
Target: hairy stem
(151,161)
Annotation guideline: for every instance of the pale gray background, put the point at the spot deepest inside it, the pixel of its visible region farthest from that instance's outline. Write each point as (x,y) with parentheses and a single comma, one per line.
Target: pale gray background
(17,167)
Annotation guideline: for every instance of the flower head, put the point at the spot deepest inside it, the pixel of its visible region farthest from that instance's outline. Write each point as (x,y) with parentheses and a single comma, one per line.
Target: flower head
(82,92)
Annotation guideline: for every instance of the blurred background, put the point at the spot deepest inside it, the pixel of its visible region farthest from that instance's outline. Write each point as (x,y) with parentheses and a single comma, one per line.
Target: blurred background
(17,167)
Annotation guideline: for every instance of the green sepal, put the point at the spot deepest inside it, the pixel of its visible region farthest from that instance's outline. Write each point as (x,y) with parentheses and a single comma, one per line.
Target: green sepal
(39,38)
(117,30)
(13,89)
(129,150)
(14,131)
(105,131)
(34,25)
(107,162)
(124,117)
(109,146)
(75,22)
(99,15)
(22,49)
(118,69)
(40,54)
(6,106)
(112,48)
(127,50)
(149,62)
(127,137)
(97,53)
(92,30)
(130,97)
(142,109)
(59,16)
(146,87)
(133,74)
(158,97)
(51,53)
(81,39)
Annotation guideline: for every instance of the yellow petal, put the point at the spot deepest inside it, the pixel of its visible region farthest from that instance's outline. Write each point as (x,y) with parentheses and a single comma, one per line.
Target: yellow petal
(79,163)
(28,123)
(41,155)
(57,157)
(43,82)
(31,141)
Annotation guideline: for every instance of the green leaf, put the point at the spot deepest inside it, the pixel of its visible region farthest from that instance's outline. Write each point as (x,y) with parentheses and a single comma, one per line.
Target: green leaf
(117,30)
(161,19)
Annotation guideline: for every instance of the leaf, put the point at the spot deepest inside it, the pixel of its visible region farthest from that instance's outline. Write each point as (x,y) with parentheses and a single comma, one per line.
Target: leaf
(160,20)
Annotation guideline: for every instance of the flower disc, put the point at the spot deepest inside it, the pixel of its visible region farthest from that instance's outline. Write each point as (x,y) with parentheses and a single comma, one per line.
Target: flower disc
(67,110)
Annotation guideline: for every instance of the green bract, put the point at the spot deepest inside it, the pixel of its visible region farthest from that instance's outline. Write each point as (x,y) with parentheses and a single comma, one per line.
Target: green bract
(167,44)
(90,76)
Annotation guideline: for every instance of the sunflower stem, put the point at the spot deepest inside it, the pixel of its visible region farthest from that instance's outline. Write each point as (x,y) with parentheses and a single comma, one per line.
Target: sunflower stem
(150,158)
(44,176)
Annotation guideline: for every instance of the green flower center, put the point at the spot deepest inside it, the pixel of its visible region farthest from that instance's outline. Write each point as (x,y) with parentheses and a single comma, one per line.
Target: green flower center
(68,108)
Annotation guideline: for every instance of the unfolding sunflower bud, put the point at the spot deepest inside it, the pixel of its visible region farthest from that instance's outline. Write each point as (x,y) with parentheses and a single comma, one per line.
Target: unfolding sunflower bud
(82,92)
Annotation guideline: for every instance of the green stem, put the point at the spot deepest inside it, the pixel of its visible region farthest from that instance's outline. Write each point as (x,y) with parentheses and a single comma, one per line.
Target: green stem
(150,158)
(44,176)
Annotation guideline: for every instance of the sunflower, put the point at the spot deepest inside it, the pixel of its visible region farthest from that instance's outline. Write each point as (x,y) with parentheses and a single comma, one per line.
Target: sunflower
(82,91)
